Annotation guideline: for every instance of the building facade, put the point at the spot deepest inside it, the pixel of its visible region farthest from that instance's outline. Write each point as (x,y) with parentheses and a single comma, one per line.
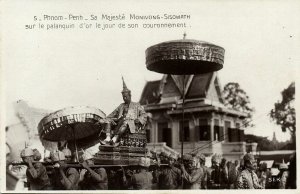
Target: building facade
(208,127)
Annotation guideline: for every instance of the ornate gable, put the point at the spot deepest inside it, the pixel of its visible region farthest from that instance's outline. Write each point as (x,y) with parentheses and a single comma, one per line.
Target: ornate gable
(199,86)
(214,92)
(181,81)
(169,88)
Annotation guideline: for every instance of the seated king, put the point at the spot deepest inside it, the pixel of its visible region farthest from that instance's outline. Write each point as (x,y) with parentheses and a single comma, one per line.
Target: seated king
(128,115)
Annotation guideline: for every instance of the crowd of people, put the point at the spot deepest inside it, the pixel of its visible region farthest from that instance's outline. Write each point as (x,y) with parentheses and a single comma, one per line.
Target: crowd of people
(155,171)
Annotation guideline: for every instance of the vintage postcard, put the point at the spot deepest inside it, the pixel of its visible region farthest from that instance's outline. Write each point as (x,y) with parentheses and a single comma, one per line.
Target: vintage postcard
(168,96)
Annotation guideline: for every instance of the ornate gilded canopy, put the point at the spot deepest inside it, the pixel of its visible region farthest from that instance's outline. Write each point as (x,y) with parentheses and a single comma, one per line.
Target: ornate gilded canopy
(184,57)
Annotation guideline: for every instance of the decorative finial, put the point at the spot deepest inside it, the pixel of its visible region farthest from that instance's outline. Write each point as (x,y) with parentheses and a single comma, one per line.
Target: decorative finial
(184,35)
(125,89)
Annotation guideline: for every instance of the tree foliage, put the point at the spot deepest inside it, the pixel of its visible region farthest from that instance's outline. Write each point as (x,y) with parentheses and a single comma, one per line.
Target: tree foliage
(284,113)
(263,144)
(236,98)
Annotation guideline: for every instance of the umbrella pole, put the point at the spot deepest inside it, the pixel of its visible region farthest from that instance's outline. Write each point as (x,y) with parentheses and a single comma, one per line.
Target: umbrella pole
(182,128)
(76,151)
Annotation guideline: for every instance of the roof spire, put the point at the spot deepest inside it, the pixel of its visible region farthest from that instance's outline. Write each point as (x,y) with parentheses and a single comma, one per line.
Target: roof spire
(274,137)
(184,35)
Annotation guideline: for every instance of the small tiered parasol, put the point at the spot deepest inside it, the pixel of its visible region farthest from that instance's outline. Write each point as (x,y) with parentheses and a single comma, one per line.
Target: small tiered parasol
(77,125)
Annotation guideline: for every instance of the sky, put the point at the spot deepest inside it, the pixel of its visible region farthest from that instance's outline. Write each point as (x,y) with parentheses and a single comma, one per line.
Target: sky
(53,69)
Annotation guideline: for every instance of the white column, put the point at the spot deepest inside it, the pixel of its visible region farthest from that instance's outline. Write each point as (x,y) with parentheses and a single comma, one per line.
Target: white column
(212,123)
(153,136)
(192,130)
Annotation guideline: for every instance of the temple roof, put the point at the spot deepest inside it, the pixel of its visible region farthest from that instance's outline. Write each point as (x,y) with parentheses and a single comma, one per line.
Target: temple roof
(150,93)
(202,93)
(170,88)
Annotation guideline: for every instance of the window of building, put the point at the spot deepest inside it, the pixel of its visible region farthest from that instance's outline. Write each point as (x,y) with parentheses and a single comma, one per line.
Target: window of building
(233,133)
(186,131)
(227,135)
(240,132)
(160,131)
(204,130)
(164,133)
(167,136)
(218,130)
(241,135)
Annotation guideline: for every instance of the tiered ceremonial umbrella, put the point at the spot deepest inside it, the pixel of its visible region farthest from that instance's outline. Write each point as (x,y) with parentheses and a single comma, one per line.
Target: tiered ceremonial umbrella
(78,125)
(184,57)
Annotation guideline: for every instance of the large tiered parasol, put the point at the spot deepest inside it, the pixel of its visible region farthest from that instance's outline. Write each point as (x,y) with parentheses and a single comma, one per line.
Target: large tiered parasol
(72,124)
(184,57)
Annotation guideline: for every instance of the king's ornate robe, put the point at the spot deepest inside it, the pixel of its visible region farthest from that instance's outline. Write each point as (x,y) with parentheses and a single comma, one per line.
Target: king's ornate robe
(135,111)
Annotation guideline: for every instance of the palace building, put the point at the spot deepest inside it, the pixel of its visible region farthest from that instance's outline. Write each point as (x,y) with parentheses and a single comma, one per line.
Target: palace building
(209,127)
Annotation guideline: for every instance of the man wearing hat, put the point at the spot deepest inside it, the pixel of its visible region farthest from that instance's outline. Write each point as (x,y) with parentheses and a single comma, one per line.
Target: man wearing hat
(170,176)
(164,157)
(214,181)
(63,177)
(192,175)
(37,156)
(206,175)
(224,173)
(92,179)
(128,115)
(36,173)
(68,154)
(143,179)
(263,175)
(248,179)
(283,175)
